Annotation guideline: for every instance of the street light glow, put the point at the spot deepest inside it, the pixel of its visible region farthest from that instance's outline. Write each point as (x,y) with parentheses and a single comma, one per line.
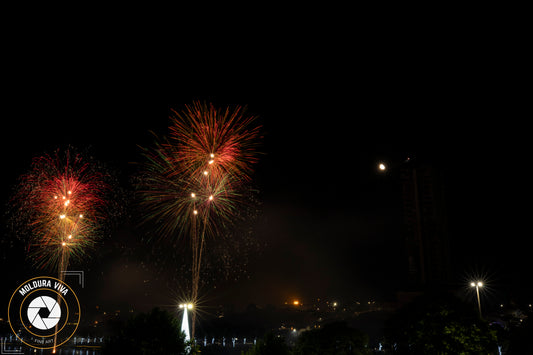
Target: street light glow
(382,167)
(185,320)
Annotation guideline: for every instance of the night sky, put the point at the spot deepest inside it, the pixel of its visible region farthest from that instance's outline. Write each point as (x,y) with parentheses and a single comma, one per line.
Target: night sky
(329,221)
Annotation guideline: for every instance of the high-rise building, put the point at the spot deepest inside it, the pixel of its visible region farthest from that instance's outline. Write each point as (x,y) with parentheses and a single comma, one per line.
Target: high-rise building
(426,234)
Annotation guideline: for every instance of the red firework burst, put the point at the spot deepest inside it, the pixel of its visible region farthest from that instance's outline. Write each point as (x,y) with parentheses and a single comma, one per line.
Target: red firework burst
(59,204)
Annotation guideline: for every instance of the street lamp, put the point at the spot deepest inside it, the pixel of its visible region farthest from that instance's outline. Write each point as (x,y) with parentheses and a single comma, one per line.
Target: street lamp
(185,320)
(477,285)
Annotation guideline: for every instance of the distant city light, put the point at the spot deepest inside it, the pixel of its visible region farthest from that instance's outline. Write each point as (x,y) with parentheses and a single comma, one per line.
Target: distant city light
(296,302)
(382,167)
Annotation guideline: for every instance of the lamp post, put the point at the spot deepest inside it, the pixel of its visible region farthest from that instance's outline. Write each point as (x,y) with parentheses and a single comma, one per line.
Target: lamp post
(477,285)
(185,320)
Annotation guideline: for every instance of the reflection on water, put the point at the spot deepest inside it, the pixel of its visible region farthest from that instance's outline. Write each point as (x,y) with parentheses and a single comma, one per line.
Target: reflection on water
(12,345)
(8,349)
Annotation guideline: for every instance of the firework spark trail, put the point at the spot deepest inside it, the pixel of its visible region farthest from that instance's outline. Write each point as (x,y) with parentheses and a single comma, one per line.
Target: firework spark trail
(193,179)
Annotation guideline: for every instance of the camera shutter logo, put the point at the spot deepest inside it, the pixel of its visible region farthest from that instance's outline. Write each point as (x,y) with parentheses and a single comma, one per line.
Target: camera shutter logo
(35,309)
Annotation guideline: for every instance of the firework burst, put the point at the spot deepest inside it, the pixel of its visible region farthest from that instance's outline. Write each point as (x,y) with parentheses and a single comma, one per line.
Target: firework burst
(198,172)
(193,180)
(213,142)
(59,206)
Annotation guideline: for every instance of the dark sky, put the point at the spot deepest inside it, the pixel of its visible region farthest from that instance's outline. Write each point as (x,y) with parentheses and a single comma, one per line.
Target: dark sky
(329,222)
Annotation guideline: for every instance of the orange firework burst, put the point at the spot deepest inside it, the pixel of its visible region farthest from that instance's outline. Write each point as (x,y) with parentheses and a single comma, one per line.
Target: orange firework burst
(200,169)
(213,142)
